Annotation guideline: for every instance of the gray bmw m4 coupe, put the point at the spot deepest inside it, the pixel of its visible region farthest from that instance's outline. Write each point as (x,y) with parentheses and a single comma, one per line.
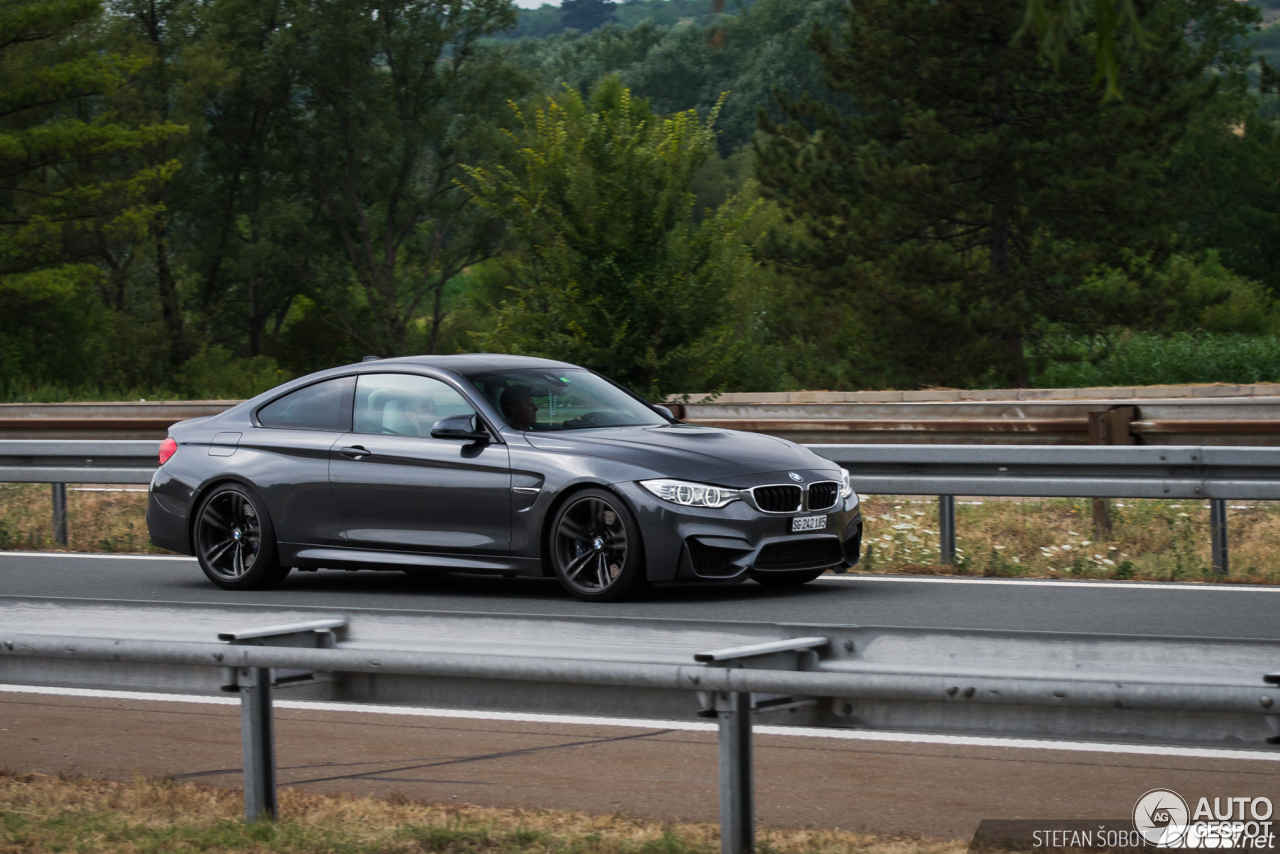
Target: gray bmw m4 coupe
(493,464)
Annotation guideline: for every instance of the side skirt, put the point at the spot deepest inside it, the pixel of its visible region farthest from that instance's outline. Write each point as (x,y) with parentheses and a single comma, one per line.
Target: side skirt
(317,557)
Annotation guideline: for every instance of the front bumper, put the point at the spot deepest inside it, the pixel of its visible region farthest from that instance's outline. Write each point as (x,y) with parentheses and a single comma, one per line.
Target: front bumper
(685,544)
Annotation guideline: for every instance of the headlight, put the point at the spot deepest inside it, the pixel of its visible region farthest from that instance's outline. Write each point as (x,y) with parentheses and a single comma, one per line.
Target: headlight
(846,485)
(691,494)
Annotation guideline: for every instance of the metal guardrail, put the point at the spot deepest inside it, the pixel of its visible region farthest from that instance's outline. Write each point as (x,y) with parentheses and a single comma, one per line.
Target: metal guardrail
(1216,474)
(77,461)
(1124,471)
(1048,685)
(1155,416)
(59,462)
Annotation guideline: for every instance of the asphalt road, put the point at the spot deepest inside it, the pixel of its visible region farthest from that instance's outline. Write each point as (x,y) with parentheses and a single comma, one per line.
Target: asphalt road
(939,790)
(1120,608)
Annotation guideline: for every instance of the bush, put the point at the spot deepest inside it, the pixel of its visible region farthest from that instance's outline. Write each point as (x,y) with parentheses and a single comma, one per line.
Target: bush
(1151,359)
(216,374)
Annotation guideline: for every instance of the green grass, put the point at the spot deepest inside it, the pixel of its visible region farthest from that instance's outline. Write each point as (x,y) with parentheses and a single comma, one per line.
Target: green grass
(1148,359)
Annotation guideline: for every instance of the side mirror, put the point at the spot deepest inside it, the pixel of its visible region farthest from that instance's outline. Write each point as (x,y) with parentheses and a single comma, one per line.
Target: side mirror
(665,411)
(458,427)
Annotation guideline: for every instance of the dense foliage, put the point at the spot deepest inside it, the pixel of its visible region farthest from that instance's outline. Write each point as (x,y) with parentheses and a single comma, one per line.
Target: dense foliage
(206,197)
(973,188)
(606,269)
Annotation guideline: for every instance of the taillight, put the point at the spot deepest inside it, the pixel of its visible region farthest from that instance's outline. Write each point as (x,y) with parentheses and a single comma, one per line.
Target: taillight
(167,449)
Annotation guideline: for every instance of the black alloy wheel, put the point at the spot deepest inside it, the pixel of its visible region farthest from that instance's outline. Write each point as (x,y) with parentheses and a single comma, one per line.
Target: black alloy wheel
(596,549)
(235,542)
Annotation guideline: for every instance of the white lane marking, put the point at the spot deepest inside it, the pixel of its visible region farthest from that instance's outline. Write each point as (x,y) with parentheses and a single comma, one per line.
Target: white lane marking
(105,489)
(1157,586)
(649,723)
(121,556)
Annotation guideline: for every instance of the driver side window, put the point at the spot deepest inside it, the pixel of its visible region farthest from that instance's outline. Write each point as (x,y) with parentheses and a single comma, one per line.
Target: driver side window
(404,404)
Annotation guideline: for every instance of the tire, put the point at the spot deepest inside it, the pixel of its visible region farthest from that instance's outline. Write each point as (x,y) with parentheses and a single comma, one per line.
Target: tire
(235,541)
(786,579)
(595,547)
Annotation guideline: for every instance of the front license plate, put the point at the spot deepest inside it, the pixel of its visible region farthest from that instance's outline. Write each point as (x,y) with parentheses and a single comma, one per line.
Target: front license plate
(808,523)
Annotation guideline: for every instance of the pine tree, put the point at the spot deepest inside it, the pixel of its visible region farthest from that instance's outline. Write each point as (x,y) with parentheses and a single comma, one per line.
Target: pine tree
(963,204)
(67,184)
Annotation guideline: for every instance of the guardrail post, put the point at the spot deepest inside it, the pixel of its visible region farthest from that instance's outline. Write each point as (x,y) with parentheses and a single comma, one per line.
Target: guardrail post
(947,529)
(255,684)
(1218,535)
(733,710)
(257,736)
(737,801)
(60,513)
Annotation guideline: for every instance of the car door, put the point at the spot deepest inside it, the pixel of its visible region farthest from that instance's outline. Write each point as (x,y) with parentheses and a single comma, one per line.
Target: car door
(399,489)
(286,455)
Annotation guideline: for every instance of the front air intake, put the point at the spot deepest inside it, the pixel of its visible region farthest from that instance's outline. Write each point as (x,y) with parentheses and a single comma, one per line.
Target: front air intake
(801,554)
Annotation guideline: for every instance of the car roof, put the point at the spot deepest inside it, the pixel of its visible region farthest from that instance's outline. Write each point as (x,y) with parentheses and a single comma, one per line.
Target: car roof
(463,362)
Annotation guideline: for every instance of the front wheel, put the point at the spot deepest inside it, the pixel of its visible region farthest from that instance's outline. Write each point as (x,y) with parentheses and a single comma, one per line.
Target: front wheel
(786,579)
(595,548)
(235,541)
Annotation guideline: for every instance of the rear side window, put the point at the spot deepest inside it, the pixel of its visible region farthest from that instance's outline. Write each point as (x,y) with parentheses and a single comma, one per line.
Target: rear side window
(321,406)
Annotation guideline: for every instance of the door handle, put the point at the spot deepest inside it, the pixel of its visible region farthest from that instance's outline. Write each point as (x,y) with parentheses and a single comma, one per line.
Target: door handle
(355,452)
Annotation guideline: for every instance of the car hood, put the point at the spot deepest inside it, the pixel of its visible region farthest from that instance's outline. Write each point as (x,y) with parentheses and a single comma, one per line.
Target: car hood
(692,453)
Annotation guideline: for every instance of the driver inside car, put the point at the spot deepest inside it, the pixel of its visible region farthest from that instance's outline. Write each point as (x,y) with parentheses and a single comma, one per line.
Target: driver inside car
(518,407)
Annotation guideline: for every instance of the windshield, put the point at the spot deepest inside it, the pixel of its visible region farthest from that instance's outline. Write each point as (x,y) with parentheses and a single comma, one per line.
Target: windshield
(545,401)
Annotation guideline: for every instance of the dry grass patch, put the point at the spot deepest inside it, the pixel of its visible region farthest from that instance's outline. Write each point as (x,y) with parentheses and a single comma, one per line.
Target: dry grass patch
(99,518)
(1150,540)
(41,813)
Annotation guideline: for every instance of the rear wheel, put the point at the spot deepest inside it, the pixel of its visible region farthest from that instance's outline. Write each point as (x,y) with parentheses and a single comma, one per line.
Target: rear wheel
(235,541)
(786,579)
(596,549)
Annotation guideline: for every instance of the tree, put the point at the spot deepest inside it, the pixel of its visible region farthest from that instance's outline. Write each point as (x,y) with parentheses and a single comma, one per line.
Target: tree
(586,15)
(253,241)
(608,269)
(965,202)
(174,86)
(386,96)
(750,54)
(69,183)
(1234,155)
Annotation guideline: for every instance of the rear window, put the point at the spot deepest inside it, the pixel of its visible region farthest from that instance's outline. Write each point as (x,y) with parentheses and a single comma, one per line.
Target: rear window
(321,406)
